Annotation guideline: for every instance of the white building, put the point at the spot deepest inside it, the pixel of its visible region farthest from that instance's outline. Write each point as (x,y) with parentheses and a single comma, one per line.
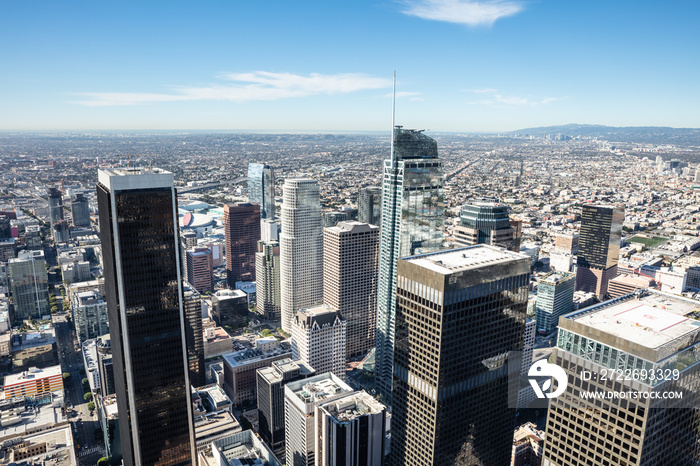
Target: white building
(300,400)
(89,315)
(318,339)
(671,281)
(301,248)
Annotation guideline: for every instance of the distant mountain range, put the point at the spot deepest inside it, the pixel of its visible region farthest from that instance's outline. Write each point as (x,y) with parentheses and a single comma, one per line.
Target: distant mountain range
(641,134)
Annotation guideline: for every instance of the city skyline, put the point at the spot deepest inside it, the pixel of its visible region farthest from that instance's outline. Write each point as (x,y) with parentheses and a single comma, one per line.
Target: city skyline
(484,67)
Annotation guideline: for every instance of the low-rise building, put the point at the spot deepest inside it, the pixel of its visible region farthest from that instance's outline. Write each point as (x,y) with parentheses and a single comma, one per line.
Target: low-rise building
(216,342)
(240,367)
(242,448)
(34,348)
(33,382)
(527,446)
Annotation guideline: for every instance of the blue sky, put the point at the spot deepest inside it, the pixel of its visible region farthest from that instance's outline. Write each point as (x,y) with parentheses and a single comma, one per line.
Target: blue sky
(327,66)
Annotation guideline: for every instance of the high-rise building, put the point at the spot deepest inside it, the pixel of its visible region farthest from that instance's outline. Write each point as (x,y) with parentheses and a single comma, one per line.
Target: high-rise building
(80,209)
(566,243)
(230,308)
(242,231)
(301,248)
(331,219)
(598,247)
(194,334)
(642,349)
(369,205)
(484,222)
(89,315)
(55,208)
(318,339)
(60,231)
(138,226)
(5,227)
(555,297)
(199,268)
(413,217)
(270,385)
(105,367)
(351,431)
(300,400)
(459,314)
(29,283)
(267,272)
(350,274)
(261,189)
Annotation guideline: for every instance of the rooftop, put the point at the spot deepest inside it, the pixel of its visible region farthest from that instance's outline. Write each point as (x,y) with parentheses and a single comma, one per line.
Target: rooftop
(318,388)
(351,406)
(471,257)
(553,277)
(247,356)
(650,320)
(32,373)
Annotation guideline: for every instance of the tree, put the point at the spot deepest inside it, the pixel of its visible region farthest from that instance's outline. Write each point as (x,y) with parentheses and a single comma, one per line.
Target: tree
(104,461)
(88,397)
(66,375)
(91,405)
(265,333)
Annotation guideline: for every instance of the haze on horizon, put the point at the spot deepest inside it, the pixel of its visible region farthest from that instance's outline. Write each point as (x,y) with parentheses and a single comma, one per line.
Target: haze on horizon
(463,66)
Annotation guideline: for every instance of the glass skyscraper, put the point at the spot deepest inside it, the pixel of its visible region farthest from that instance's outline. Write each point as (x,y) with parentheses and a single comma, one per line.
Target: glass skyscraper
(413,217)
(138,225)
(261,189)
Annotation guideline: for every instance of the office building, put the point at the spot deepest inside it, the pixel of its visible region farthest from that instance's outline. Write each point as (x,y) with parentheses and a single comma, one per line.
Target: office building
(351,431)
(55,208)
(29,283)
(318,339)
(239,449)
(459,314)
(199,268)
(331,219)
(80,210)
(300,400)
(484,222)
(350,275)
(270,386)
(240,379)
(230,308)
(194,334)
(269,230)
(105,367)
(33,382)
(413,217)
(626,284)
(5,227)
(141,255)
(89,315)
(301,248)
(242,232)
(76,272)
(598,247)
(261,189)
(267,272)
(369,205)
(566,243)
(528,443)
(60,231)
(645,334)
(555,298)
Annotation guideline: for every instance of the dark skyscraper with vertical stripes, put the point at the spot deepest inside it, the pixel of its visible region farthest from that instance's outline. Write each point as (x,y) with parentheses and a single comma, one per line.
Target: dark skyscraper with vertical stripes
(138,226)
(242,233)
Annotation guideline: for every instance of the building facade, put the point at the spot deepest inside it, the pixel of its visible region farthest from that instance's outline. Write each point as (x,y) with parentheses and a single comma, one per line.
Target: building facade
(29,283)
(267,272)
(199,268)
(261,189)
(486,223)
(230,308)
(242,232)
(369,205)
(240,377)
(194,334)
(555,298)
(301,248)
(598,247)
(89,315)
(80,210)
(413,216)
(350,276)
(141,255)
(459,315)
(319,339)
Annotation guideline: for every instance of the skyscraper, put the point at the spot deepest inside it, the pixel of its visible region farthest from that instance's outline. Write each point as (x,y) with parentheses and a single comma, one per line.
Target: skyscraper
(643,349)
(242,232)
(350,274)
(301,248)
(138,225)
(483,222)
(80,209)
(318,339)
(413,216)
(261,189)
(199,268)
(194,336)
(267,272)
(55,207)
(369,205)
(89,315)
(459,313)
(29,283)
(598,247)
(555,297)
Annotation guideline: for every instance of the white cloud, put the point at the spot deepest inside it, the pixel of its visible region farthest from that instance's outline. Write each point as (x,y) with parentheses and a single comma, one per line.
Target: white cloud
(469,12)
(497,99)
(240,87)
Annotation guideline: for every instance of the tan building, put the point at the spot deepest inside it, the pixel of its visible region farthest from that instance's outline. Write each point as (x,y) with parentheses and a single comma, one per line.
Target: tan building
(566,243)
(626,284)
(528,443)
(240,382)
(350,274)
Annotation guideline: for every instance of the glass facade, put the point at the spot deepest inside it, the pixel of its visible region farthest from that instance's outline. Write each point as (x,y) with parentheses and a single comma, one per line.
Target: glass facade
(413,216)
(369,205)
(555,298)
(599,240)
(141,254)
(261,189)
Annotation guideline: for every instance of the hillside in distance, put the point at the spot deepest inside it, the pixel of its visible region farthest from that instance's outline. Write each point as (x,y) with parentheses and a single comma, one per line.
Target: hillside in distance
(630,134)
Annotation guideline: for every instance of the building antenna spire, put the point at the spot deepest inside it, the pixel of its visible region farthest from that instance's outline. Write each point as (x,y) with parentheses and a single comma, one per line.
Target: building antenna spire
(393,119)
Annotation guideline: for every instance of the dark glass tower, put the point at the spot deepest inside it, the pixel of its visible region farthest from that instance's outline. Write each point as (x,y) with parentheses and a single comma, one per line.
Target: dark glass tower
(486,223)
(138,225)
(261,189)
(80,209)
(242,230)
(598,247)
(458,315)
